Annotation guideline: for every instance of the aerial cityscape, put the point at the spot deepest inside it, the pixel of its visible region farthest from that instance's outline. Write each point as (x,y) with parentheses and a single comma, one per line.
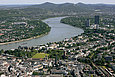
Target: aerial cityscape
(57,39)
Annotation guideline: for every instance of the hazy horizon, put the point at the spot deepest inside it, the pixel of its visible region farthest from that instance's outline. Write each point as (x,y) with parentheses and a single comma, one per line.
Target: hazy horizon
(27,2)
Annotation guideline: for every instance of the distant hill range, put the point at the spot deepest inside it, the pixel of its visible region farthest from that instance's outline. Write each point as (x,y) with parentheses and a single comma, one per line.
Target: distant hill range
(75,8)
(63,9)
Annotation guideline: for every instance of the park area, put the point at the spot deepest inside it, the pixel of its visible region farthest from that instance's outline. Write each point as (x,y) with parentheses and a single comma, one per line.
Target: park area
(40,55)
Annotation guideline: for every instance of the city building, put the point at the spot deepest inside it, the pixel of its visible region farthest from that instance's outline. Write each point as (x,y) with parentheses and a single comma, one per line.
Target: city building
(97,20)
(109,58)
(87,22)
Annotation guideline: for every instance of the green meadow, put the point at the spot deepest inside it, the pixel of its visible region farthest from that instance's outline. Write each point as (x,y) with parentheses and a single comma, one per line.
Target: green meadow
(40,55)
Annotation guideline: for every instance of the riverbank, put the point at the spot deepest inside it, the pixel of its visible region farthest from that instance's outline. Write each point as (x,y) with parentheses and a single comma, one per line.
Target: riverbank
(27,38)
(24,39)
(58,32)
(73,21)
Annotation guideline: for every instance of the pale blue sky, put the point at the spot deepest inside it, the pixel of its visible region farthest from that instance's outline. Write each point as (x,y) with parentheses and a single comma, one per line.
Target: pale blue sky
(55,1)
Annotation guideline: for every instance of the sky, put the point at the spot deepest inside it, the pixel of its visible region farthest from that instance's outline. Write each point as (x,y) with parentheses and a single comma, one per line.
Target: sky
(55,1)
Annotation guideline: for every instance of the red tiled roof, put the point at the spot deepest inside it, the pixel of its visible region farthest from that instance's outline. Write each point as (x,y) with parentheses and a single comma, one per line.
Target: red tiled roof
(1,34)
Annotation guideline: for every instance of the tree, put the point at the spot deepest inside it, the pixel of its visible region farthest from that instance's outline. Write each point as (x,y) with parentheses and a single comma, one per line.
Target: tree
(1,51)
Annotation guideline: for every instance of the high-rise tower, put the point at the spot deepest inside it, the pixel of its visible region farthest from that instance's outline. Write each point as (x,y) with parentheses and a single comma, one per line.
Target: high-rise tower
(87,22)
(97,20)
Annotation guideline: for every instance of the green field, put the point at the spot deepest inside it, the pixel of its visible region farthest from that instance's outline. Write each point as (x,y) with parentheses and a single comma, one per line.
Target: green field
(40,55)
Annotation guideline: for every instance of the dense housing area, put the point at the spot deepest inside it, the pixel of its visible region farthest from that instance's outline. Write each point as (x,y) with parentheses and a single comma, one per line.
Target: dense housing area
(19,30)
(91,54)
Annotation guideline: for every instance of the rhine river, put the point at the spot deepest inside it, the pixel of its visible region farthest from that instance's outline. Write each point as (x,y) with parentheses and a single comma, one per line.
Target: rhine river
(59,32)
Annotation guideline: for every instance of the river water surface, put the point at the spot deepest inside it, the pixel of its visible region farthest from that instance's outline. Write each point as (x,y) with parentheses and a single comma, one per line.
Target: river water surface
(59,31)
